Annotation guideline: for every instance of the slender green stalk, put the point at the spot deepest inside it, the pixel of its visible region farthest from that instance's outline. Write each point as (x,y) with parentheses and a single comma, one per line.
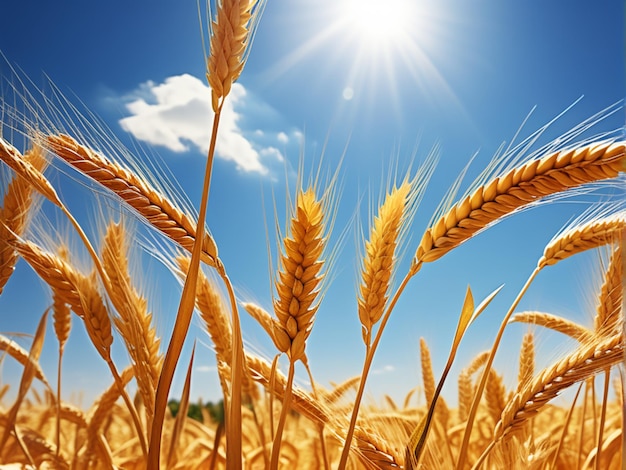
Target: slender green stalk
(233,423)
(565,426)
(367,364)
(483,378)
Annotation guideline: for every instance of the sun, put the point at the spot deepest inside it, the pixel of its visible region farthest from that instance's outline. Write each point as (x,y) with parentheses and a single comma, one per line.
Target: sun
(379,24)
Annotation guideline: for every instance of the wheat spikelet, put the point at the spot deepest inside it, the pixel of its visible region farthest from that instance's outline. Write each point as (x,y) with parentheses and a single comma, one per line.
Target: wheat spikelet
(299,275)
(231,34)
(588,235)
(380,257)
(134,322)
(555,323)
(159,211)
(526,360)
(14,214)
(609,316)
(588,360)
(517,188)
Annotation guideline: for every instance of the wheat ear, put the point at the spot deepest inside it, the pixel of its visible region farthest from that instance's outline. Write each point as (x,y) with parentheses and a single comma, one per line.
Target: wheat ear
(517,188)
(134,321)
(609,316)
(297,287)
(18,353)
(526,360)
(232,32)
(14,214)
(598,231)
(585,362)
(299,277)
(380,257)
(80,292)
(101,410)
(61,316)
(555,323)
(158,210)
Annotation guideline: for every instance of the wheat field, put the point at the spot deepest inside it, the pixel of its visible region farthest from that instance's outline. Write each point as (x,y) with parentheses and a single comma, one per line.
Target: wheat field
(265,419)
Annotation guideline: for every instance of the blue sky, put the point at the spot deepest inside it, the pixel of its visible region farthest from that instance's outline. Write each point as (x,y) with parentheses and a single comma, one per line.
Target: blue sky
(459,75)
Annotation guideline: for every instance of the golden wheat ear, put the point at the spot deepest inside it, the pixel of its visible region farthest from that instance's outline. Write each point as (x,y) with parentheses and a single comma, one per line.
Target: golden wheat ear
(133,322)
(231,35)
(517,188)
(18,201)
(149,203)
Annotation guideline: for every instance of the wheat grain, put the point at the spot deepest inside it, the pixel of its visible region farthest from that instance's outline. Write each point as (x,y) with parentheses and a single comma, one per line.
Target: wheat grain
(25,169)
(517,188)
(159,211)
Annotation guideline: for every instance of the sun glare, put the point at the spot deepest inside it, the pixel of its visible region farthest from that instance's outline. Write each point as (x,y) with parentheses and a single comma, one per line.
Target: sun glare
(378,23)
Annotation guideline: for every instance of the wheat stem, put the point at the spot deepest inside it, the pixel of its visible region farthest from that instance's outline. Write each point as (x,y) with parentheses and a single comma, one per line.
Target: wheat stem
(283,417)
(183,319)
(485,374)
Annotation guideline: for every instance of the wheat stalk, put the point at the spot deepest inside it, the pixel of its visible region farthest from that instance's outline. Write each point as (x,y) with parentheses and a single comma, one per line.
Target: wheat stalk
(519,187)
(157,209)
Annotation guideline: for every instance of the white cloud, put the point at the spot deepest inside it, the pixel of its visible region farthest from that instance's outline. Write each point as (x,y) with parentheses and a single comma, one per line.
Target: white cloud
(272,152)
(206,368)
(282,137)
(384,370)
(177,114)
